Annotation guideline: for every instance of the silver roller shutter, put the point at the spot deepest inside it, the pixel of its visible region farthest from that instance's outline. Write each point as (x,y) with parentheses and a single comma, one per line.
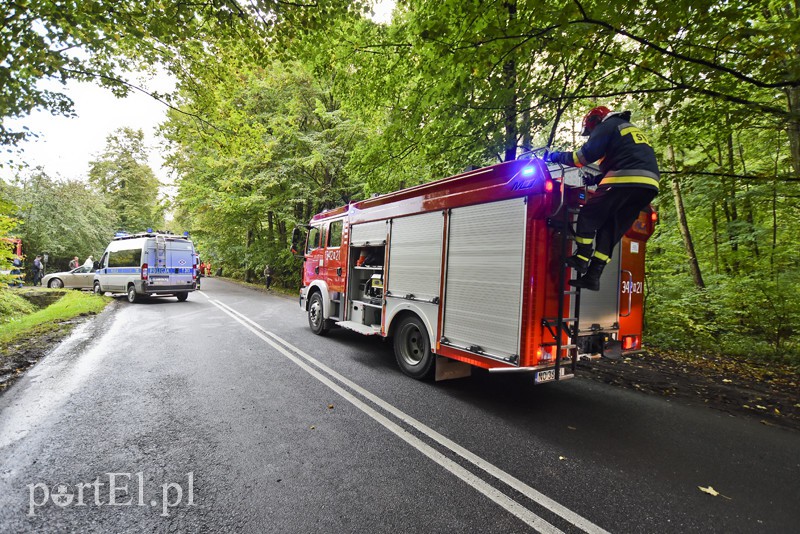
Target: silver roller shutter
(415,256)
(601,308)
(373,234)
(483,295)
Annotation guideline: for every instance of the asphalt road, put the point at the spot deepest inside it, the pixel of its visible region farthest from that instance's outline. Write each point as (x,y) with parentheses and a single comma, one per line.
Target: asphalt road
(225,414)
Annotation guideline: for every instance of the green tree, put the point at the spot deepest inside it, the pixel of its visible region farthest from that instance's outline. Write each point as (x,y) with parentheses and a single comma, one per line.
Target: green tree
(123,177)
(63,219)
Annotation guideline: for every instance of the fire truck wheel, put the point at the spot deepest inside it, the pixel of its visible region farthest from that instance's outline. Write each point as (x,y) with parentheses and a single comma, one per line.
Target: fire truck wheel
(412,348)
(316,318)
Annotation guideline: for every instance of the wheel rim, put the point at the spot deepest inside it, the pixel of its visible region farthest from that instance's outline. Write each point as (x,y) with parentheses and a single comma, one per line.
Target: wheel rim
(315,313)
(413,345)
(131,294)
(56,283)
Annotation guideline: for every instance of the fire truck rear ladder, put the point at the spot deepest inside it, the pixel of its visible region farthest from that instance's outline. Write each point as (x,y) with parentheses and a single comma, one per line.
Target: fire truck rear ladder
(563,326)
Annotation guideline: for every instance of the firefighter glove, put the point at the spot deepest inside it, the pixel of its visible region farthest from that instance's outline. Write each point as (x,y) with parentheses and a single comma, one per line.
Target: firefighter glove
(590,179)
(552,157)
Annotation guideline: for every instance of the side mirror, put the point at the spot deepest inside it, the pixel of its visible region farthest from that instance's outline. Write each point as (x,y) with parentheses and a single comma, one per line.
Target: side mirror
(298,238)
(96,265)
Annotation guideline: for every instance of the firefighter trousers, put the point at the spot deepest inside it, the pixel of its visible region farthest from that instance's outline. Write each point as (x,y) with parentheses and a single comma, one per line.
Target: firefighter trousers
(607,215)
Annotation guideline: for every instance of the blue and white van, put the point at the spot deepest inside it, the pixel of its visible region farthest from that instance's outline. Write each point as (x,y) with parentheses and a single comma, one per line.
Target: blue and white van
(149,264)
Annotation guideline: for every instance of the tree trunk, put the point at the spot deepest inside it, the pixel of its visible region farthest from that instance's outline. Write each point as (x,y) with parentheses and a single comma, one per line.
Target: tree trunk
(248,273)
(715,232)
(688,244)
(793,100)
(510,110)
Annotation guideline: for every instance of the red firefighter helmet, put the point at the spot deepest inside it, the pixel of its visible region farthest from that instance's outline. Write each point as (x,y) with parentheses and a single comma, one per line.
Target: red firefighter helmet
(593,118)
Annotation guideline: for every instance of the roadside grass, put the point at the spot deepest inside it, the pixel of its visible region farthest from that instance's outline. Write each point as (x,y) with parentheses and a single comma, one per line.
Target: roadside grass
(277,290)
(71,305)
(13,306)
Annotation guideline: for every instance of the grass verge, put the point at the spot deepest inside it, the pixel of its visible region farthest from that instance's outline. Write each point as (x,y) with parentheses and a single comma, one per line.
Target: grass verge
(73,304)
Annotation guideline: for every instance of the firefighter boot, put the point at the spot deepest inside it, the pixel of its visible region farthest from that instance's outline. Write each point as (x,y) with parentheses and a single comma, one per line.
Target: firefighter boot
(579,263)
(591,280)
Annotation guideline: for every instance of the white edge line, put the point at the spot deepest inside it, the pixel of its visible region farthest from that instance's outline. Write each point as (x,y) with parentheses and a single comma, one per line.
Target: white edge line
(492,493)
(531,493)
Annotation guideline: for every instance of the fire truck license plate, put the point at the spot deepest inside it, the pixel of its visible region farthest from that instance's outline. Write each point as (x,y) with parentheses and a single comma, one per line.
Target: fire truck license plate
(545,376)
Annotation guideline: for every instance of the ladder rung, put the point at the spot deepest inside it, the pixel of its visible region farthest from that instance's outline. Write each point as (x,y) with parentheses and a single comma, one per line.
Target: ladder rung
(571,292)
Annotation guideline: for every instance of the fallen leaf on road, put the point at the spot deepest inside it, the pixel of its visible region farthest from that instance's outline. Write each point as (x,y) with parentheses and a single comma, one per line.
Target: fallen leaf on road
(562,457)
(330,406)
(709,490)
(572,428)
(313,427)
(727,381)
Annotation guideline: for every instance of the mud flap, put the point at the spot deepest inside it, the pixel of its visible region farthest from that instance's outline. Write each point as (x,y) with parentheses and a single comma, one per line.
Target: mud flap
(447,369)
(612,349)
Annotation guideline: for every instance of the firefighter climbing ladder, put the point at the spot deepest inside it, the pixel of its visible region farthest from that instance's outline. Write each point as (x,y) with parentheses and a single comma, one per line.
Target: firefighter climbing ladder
(564,328)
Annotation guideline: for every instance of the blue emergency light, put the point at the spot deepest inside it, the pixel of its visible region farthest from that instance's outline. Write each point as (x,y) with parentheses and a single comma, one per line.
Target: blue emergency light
(528,171)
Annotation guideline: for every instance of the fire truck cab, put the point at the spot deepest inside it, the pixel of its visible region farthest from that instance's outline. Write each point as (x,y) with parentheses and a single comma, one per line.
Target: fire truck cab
(469,271)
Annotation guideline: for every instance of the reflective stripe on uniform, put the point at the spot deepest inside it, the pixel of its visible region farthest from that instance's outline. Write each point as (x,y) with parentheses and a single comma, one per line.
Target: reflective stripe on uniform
(584,258)
(602,257)
(576,159)
(643,180)
(583,240)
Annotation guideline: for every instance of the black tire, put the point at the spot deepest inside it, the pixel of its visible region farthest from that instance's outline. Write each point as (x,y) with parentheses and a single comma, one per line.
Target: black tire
(316,320)
(412,348)
(182,297)
(55,283)
(96,289)
(132,296)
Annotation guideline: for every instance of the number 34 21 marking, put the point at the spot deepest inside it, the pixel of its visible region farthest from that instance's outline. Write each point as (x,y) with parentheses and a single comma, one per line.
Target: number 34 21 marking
(631,287)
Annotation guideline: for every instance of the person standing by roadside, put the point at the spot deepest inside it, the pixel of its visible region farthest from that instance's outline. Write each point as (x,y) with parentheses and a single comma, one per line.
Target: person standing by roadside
(268,276)
(74,263)
(38,271)
(89,262)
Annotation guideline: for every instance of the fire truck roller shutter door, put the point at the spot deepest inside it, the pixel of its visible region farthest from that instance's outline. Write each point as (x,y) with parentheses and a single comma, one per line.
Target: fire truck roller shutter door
(415,264)
(483,292)
(373,233)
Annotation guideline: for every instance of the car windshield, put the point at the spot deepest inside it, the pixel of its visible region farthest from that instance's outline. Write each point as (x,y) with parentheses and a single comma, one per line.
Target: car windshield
(81,269)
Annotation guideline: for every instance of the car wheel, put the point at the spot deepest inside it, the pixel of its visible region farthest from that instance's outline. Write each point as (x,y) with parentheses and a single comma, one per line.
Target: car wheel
(132,296)
(182,297)
(316,319)
(55,283)
(96,289)
(412,348)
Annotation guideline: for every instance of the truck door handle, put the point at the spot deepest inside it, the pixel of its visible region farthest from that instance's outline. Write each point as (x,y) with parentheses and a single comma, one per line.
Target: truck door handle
(316,269)
(338,271)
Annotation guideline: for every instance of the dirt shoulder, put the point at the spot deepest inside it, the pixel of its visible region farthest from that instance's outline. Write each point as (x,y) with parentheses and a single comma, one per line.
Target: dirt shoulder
(768,392)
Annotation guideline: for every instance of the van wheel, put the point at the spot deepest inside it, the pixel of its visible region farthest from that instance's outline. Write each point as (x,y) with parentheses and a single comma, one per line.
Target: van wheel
(182,297)
(412,348)
(316,319)
(96,289)
(132,296)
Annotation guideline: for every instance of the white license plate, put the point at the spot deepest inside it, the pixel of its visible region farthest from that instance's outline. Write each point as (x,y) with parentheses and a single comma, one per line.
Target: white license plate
(544,376)
(160,280)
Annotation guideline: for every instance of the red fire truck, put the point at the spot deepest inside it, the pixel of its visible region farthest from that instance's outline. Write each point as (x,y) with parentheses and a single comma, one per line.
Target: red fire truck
(469,271)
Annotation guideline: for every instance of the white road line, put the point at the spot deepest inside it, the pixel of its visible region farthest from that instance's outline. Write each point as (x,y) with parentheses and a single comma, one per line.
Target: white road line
(492,493)
(513,482)
(206,296)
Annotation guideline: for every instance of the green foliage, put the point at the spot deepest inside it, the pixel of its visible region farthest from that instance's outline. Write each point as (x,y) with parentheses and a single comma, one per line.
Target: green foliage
(123,178)
(63,219)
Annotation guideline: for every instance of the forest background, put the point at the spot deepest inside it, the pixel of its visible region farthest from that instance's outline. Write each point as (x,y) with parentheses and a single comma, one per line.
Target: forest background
(283,109)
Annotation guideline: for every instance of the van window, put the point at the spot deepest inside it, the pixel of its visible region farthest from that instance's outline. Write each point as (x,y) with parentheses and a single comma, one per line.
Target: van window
(335,234)
(125,258)
(314,238)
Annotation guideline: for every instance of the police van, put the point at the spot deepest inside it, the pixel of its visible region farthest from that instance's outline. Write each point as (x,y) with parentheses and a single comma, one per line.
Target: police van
(147,264)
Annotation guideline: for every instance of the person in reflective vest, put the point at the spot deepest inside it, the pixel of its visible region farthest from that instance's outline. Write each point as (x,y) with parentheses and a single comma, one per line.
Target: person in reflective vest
(628,182)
